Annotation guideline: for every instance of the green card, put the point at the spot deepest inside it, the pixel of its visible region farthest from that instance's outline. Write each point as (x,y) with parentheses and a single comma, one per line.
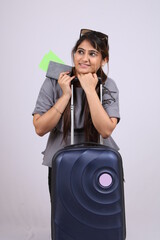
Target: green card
(47,58)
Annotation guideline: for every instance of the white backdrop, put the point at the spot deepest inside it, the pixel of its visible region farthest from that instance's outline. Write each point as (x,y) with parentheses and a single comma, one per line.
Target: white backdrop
(29,29)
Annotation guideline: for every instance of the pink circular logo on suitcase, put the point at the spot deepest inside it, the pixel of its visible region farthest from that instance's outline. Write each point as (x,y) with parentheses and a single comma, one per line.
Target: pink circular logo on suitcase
(105,180)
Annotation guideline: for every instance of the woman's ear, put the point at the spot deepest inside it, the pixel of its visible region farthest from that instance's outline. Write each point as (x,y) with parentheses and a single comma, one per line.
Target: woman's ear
(104,61)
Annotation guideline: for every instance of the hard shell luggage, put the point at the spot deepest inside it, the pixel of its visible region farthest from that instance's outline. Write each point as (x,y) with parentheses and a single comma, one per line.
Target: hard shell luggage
(87,197)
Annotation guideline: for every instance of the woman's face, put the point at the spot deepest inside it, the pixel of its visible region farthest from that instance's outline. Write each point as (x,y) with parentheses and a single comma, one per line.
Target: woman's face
(87,59)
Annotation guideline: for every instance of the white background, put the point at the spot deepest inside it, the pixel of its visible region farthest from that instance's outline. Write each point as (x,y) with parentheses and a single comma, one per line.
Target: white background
(28,30)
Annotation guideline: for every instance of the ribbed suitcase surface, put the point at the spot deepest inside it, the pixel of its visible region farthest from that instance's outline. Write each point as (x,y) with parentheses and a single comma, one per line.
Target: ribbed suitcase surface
(87,194)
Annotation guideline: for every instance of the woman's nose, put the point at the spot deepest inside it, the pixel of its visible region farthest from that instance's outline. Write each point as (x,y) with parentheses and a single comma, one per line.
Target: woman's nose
(85,57)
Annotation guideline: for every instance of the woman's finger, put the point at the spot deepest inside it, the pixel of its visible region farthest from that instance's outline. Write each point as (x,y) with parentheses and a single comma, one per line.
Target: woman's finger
(62,74)
(95,75)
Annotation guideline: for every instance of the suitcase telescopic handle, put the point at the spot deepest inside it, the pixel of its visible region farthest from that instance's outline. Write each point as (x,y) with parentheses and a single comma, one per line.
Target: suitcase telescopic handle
(72,109)
(72,116)
(83,144)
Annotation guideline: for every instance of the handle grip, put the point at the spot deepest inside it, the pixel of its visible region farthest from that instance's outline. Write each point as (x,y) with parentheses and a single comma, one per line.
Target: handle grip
(85,144)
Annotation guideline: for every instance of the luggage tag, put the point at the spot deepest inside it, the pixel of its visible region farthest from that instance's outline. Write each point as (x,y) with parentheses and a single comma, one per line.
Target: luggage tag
(54,69)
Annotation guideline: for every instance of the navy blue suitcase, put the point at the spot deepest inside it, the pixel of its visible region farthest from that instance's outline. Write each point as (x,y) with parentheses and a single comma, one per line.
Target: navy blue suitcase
(87,192)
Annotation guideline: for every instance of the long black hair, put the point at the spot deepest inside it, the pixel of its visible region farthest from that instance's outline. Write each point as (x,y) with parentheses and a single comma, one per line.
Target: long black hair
(101,45)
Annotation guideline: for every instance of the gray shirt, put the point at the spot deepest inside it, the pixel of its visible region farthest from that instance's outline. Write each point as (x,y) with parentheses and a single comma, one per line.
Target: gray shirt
(50,92)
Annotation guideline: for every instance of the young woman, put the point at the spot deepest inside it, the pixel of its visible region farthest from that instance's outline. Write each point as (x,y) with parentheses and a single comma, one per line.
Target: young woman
(52,110)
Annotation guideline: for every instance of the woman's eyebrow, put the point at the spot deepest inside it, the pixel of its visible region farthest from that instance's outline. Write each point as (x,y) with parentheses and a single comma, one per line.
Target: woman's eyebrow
(91,50)
(79,48)
(95,51)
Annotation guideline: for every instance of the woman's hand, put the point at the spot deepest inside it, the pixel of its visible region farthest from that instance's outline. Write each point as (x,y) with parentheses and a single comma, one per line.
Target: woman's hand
(88,81)
(46,122)
(101,121)
(65,83)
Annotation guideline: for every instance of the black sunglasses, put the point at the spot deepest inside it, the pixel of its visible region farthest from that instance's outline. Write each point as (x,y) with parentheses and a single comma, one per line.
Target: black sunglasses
(100,35)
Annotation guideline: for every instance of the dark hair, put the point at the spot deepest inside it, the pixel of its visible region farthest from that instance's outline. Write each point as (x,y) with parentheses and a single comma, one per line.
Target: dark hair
(101,46)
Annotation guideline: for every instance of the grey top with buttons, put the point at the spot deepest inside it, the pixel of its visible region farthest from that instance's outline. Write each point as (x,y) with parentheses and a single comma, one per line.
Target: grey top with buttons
(50,92)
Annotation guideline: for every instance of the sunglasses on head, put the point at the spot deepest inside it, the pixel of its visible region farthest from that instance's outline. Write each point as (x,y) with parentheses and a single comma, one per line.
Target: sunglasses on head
(100,35)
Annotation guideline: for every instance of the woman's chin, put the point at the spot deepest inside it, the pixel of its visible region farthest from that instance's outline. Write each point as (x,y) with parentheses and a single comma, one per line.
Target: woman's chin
(83,71)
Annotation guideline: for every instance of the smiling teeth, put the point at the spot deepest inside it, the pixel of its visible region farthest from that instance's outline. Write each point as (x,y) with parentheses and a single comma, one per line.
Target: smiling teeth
(84,64)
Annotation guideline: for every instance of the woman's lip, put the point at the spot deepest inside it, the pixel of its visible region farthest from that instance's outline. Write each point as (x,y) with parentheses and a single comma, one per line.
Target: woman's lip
(84,65)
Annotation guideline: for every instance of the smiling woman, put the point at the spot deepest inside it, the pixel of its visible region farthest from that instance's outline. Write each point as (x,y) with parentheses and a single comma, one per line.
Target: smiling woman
(87,59)
(92,119)
(52,111)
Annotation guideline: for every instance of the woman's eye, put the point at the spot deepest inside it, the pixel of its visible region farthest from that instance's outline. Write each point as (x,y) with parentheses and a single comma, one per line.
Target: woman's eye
(80,52)
(93,54)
